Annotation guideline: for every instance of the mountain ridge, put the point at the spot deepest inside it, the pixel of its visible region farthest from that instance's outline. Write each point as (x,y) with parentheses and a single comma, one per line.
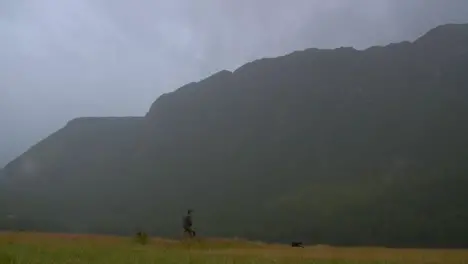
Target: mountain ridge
(439,32)
(335,146)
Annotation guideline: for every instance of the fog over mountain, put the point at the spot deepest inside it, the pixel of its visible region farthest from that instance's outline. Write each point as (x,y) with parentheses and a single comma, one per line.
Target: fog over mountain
(329,146)
(64,59)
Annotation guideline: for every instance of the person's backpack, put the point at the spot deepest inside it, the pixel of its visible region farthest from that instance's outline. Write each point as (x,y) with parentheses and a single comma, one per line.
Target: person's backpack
(187,221)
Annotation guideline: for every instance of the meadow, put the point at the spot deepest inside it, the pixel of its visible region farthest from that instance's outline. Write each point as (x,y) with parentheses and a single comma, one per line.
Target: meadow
(29,248)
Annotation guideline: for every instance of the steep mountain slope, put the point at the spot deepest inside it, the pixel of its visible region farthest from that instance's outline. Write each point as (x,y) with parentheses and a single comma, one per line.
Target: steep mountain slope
(326,146)
(67,170)
(4,157)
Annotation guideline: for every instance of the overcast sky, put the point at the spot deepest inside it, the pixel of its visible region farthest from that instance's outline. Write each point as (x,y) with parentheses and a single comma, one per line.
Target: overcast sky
(61,59)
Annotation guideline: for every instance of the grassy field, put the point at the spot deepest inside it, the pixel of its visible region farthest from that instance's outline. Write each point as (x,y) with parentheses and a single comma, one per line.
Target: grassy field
(28,248)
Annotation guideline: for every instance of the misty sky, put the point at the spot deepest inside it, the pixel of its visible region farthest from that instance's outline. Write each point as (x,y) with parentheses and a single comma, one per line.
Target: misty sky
(61,59)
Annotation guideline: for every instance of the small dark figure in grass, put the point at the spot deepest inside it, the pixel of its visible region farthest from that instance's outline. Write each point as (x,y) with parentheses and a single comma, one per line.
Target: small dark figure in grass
(187,224)
(297,244)
(141,238)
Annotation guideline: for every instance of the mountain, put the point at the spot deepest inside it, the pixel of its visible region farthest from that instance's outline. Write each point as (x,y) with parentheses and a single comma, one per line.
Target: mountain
(341,146)
(4,158)
(10,147)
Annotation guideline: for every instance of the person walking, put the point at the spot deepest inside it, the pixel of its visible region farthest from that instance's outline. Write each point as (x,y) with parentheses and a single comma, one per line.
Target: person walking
(187,224)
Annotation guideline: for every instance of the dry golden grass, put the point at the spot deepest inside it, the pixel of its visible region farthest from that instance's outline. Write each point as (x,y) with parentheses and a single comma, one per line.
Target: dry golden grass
(26,248)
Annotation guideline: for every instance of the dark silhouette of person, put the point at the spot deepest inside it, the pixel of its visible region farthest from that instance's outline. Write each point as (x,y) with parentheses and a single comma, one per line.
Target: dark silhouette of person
(187,223)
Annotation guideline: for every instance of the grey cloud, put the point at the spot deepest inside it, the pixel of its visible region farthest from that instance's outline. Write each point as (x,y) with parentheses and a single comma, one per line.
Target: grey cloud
(60,59)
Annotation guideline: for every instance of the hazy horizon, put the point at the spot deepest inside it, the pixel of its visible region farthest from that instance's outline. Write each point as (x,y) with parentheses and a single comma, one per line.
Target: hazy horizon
(65,59)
